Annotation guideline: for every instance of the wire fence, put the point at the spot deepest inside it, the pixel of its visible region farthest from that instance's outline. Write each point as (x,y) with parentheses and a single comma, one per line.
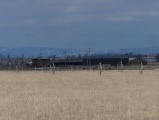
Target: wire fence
(78,68)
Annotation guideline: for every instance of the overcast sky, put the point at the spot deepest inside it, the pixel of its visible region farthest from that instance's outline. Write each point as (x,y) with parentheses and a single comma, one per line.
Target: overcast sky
(98,24)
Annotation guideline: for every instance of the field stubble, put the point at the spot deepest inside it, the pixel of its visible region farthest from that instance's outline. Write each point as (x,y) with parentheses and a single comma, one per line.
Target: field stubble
(79,95)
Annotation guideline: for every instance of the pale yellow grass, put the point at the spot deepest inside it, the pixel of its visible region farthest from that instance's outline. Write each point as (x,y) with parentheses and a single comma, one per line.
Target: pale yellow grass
(79,95)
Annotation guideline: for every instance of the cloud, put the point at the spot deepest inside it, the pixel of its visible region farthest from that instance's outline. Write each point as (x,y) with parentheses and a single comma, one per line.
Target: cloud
(76,12)
(130,16)
(78,20)
(123,19)
(64,20)
(20,23)
(2,25)
(64,12)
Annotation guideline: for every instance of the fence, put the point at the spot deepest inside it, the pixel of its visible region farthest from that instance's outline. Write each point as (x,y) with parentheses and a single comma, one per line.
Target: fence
(77,68)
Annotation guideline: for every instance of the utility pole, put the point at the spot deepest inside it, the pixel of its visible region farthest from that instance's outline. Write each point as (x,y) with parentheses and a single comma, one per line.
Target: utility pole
(87,58)
(8,60)
(65,58)
(89,50)
(121,54)
(23,61)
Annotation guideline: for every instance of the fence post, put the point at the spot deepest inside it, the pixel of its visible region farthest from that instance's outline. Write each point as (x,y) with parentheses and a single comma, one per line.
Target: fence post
(100,68)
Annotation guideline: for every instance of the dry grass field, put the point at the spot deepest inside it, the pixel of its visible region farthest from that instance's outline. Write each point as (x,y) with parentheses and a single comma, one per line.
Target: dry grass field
(79,95)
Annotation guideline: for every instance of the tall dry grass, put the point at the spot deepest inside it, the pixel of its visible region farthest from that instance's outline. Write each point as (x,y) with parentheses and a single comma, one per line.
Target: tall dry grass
(79,95)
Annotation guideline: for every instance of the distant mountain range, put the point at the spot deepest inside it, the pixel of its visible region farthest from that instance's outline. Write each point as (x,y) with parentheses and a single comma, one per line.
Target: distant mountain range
(38,51)
(145,50)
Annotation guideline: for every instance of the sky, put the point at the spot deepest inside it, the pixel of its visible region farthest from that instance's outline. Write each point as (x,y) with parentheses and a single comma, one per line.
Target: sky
(79,24)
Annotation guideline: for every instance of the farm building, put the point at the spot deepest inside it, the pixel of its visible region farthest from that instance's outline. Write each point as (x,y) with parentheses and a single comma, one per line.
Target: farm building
(68,63)
(150,59)
(137,61)
(40,62)
(112,60)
